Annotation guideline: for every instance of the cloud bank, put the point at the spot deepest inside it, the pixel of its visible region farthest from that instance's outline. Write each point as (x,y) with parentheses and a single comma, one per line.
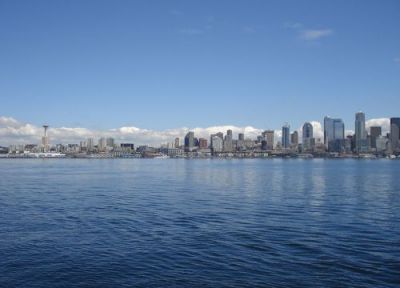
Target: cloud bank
(13,131)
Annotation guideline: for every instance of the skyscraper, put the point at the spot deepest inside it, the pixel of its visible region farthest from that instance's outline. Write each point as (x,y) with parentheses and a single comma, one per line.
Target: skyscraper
(216,143)
(110,142)
(395,134)
(102,144)
(229,133)
(375,132)
(228,143)
(285,136)
(189,141)
(308,135)
(203,143)
(333,134)
(294,138)
(90,144)
(360,133)
(269,136)
(176,142)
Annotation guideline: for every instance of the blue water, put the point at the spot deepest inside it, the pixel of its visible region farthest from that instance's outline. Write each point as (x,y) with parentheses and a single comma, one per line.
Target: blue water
(199,223)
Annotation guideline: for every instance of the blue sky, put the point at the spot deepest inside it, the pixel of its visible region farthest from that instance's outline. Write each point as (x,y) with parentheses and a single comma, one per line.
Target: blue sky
(167,64)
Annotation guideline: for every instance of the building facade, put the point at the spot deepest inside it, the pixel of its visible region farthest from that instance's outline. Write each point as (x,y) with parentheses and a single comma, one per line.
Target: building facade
(360,133)
(395,134)
(285,136)
(334,134)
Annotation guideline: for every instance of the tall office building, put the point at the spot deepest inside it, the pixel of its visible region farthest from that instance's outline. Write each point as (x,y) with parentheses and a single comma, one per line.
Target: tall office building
(360,133)
(219,135)
(90,144)
(189,141)
(203,143)
(240,142)
(45,139)
(307,131)
(285,136)
(216,143)
(176,142)
(269,137)
(110,142)
(228,141)
(308,136)
(102,144)
(294,138)
(334,134)
(395,134)
(375,132)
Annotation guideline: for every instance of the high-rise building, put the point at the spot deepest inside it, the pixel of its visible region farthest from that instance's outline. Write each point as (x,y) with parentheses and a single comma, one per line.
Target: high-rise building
(360,133)
(285,136)
(45,139)
(177,142)
(110,142)
(334,134)
(395,134)
(375,132)
(308,136)
(203,143)
(219,134)
(269,137)
(381,144)
(228,143)
(216,144)
(189,141)
(294,138)
(240,142)
(102,144)
(90,144)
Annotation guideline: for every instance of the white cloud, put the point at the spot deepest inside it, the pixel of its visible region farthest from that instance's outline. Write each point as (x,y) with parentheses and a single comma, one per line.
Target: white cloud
(315,34)
(15,132)
(382,122)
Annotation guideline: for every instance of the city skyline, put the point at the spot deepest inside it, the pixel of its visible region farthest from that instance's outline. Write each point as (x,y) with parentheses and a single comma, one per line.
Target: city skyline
(13,131)
(101,65)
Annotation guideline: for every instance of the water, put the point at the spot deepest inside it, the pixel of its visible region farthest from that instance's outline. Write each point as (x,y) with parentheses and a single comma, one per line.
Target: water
(199,223)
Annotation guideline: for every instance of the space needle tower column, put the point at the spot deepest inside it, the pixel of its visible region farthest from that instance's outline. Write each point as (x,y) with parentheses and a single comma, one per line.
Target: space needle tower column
(45,139)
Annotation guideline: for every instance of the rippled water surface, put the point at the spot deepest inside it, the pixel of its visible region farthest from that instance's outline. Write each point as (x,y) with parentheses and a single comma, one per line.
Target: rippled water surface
(199,223)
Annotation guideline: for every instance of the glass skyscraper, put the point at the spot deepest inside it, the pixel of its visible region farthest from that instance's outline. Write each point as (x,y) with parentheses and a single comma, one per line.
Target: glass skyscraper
(286,136)
(360,133)
(334,134)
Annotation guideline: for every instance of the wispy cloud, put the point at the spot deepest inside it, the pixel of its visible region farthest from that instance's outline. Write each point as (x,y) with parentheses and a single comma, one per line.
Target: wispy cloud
(248,30)
(191,31)
(308,34)
(293,25)
(175,12)
(397,59)
(314,34)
